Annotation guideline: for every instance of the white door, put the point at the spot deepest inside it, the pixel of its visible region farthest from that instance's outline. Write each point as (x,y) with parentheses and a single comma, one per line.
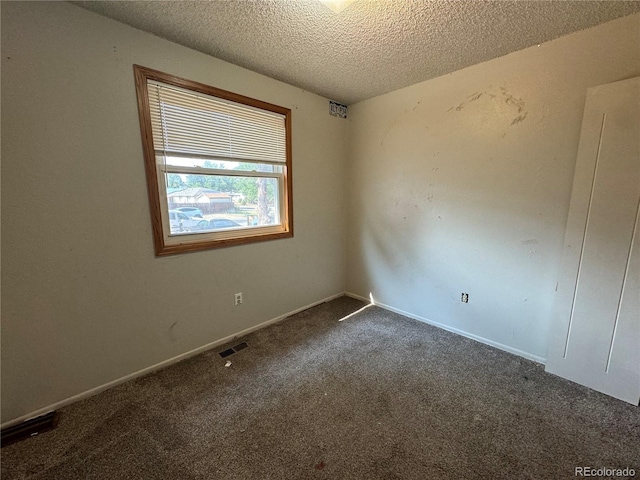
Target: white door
(595,336)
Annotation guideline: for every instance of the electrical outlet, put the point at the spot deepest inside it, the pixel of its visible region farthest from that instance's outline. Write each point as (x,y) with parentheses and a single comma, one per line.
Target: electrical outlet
(238,298)
(463,299)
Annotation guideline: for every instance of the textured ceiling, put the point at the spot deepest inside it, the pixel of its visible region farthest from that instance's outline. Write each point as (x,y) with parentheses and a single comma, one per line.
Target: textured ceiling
(370,48)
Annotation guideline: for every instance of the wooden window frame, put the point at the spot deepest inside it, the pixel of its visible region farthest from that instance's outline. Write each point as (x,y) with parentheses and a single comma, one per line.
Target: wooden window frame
(205,241)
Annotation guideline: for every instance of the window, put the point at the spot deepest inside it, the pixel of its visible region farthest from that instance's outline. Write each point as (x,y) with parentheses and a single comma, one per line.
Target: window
(218,164)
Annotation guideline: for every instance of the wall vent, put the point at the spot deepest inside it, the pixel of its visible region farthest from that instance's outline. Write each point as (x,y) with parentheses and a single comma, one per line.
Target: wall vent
(337,109)
(232,350)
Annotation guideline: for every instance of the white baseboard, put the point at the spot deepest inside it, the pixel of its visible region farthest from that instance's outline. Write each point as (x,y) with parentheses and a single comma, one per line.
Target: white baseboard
(477,338)
(158,366)
(216,343)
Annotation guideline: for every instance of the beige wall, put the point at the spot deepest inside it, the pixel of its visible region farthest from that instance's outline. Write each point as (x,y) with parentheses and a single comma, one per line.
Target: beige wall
(85,301)
(462,184)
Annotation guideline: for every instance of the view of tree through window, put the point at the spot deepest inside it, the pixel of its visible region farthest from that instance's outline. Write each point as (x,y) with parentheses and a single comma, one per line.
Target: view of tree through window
(247,187)
(218,164)
(241,201)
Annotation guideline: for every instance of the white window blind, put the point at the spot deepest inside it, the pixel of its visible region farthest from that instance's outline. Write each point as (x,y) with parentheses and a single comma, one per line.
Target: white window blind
(188,123)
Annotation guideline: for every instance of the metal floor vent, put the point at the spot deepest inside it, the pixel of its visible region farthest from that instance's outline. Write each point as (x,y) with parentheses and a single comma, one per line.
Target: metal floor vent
(30,428)
(232,350)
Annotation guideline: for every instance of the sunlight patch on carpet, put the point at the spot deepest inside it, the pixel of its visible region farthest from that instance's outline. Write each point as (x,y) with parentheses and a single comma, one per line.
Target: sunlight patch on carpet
(359,310)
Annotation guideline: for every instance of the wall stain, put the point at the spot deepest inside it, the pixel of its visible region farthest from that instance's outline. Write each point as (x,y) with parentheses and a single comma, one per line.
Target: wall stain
(519,118)
(389,128)
(171,333)
(511,100)
(395,121)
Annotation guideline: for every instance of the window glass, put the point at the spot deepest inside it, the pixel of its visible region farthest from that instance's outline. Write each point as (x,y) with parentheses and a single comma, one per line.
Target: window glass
(218,164)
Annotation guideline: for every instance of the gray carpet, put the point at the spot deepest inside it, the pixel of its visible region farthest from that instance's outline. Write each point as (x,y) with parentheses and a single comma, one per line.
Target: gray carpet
(377,396)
